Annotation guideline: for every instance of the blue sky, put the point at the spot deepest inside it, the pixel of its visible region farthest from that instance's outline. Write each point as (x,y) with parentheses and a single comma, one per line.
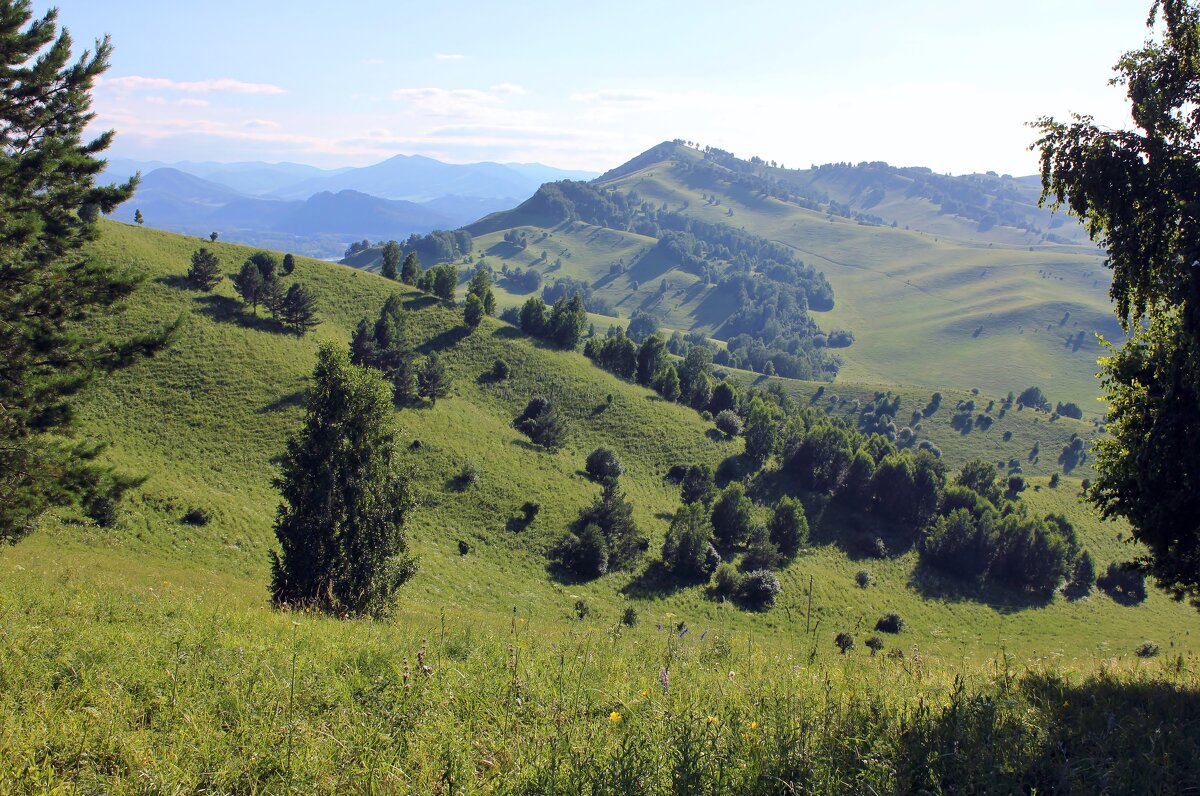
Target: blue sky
(934,83)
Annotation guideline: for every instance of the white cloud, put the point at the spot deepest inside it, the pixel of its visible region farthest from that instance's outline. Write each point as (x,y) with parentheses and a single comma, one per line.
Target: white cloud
(508,89)
(448,56)
(261,124)
(192,103)
(224,84)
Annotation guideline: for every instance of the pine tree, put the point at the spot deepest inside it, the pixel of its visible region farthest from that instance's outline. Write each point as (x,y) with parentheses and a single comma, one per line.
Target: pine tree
(411,271)
(289,264)
(205,272)
(391,260)
(341,524)
(298,310)
(432,380)
(137,217)
(47,196)
(249,285)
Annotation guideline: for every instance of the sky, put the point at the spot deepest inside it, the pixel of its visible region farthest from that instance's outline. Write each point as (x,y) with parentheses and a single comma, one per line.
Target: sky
(938,83)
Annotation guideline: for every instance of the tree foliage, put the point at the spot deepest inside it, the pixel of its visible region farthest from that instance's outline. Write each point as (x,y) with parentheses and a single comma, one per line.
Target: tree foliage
(205,271)
(1138,191)
(48,207)
(341,524)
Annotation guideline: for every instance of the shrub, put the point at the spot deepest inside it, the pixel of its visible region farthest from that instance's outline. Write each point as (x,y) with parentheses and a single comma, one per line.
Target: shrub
(728,423)
(1146,649)
(468,475)
(844,641)
(759,589)
(585,554)
(463,548)
(500,370)
(890,623)
(874,644)
(582,609)
(863,578)
(1124,583)
(727,581)
(630,616)
(603,465)
(789,527)
(197,517)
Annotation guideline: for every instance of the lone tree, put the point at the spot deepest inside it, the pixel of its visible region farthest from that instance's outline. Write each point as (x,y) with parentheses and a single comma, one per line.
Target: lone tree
(205,272)
(341,524)
(411,271)
(137,216)
(1138,191)
(47,196)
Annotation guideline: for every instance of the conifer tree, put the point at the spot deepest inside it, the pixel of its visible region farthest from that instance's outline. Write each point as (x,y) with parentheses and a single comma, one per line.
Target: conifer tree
(289,264)
(481,287)
(47,203)
(341,524)
(473,311)
(432,379)
(138,218)
(298,310)
(249,285)
(205,272)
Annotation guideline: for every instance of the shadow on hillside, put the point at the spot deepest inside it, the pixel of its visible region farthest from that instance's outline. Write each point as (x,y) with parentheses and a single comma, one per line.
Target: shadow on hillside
(421,302)
(654,581)
(227,310)
(733,468)
(606,280)
(289,401)
(1096,736)
(445,340)
(651,265)
(177,282)
(529,446)
(508,333)
(932,584)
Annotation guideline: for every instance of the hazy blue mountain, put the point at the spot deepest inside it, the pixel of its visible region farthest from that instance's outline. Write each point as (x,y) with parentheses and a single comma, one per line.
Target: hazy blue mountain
(462,210)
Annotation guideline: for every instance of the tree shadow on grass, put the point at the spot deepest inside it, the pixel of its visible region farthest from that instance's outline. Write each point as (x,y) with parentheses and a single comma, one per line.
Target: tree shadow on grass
(175,281)
(653,581)
(933,584)
(447,339)
(733,468)
(1103,734)
(226,310)
(421,302)
(289,401)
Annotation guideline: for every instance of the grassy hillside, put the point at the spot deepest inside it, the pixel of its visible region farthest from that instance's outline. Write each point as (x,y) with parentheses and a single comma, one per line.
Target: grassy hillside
(205,420)
(951,306)
(227,694)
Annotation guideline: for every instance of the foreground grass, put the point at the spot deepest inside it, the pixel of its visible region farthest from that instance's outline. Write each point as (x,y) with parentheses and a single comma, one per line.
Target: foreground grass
(114,680)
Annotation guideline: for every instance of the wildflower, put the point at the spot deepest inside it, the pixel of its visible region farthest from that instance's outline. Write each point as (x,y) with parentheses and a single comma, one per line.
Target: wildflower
(732,675)
(614,717)
(754,725)
(664,679)
(645,692)
(702,635)
(713,720)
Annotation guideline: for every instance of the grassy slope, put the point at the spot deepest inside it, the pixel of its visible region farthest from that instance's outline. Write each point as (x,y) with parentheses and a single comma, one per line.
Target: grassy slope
(205,419)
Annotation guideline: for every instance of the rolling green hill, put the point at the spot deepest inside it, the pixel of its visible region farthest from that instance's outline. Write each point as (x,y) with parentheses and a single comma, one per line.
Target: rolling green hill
(226,694)
(941,304)
(205,420)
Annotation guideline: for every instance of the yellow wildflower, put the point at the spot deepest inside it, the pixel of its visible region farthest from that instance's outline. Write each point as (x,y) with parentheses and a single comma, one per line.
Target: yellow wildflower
(614,717)
(754,725)
(713,720)
(645,692)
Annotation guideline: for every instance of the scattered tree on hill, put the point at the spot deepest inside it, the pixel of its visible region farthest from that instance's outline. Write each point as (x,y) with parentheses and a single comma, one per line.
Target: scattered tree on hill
(981,477)
(250,285)
(138,218)
(298,310)
(603,465)
(728,423)
(1034,399)
(205,271)
(432,380)
(441,281)
(698,485)
(480,286)
(534,317)
(788,527)
(289,264)
(667,383)
(212,236)
(688,551)
(473,311)
(341,525)
(542,424)
(651,358)
(390,256)
(385,345)
(731,517)
(641,326)
(761,425)
(411,271)
(1137,192)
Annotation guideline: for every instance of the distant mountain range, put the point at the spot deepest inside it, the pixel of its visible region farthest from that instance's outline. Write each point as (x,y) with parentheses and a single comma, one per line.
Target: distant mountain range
(318,211)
